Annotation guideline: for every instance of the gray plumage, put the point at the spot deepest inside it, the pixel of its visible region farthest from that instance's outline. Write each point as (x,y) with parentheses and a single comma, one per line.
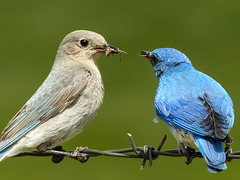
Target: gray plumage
(65,103)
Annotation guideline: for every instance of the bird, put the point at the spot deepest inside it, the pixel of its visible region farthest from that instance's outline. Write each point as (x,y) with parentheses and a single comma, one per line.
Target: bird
(197,109)
(67,100)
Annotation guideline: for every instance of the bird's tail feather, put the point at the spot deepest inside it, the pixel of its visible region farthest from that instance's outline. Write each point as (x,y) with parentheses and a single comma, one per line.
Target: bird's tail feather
(212,152)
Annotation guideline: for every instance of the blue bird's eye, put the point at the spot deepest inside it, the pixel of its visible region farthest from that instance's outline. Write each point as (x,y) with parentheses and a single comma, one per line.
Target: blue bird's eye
(154,57)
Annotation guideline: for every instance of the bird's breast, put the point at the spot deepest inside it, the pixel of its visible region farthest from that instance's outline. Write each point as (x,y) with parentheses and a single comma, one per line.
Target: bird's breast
(89,102)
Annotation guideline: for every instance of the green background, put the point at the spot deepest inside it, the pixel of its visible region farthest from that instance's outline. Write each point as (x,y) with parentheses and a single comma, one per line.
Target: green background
(208,32)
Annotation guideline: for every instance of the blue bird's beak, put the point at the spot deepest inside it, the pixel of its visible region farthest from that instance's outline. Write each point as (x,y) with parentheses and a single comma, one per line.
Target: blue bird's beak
(145,53)
(148,55)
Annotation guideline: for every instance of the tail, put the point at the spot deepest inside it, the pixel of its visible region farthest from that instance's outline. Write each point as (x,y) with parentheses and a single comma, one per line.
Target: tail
(212,152)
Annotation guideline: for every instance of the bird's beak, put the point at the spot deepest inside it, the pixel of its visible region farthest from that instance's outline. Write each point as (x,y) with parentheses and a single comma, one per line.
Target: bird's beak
(145,54)
(108,49)
(148,55)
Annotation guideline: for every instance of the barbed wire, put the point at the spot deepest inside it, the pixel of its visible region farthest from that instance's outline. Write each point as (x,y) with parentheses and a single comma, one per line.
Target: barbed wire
(82,154)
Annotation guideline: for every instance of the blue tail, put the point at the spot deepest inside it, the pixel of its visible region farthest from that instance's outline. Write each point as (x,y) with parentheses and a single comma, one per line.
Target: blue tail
(212,152)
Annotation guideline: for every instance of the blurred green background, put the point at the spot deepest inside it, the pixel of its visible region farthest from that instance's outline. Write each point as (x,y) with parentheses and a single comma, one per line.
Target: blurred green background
(208,32)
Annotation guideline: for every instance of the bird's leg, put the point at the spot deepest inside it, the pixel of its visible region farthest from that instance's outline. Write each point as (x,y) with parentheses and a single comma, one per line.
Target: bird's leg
(228,148)
(44,146)
(181,148)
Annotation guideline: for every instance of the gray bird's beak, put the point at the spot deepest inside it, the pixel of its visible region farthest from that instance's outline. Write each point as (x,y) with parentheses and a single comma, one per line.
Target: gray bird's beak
(109,49)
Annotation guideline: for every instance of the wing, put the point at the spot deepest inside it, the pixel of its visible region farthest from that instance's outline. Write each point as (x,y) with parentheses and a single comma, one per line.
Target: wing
(196,103)
(44,105)
(199,116)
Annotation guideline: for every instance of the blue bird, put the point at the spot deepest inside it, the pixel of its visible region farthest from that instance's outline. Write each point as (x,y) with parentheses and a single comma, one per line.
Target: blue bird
(196,108)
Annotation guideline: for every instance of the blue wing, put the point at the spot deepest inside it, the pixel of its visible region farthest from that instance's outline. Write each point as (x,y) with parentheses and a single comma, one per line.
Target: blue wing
(196,103)
(44,104)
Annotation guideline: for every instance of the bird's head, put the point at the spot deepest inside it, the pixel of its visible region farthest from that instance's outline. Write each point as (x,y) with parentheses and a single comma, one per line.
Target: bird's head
(83,45)
(163,59)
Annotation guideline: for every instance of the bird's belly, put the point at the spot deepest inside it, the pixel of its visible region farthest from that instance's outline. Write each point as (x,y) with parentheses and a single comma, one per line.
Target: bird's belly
(65,125)
(182,136)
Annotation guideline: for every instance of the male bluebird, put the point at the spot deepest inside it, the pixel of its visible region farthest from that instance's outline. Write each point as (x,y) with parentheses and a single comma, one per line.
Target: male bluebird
(196,108)
(66,102)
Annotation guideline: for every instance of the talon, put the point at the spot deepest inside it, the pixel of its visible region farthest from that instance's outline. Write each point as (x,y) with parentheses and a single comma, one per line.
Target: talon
(57,158)
(228,149)
(189,154)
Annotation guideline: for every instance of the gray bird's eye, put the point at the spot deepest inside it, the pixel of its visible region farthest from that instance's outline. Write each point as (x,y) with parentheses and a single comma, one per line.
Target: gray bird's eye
(84,42)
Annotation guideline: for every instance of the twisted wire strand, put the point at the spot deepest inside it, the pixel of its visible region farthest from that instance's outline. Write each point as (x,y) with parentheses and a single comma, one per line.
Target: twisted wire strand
(82,154)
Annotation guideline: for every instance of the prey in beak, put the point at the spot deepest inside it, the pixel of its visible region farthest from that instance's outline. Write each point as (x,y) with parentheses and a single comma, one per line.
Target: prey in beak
(108,49)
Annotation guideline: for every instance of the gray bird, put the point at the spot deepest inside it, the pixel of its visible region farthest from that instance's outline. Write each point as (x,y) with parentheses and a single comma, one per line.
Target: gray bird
(66,102)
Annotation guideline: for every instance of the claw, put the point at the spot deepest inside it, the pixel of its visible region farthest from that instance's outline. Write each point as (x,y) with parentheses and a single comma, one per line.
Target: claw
(57,158)
(228,149)
(189,154)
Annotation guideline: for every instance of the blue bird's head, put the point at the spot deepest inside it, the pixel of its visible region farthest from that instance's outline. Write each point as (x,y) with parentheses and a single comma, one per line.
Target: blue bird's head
(163,59)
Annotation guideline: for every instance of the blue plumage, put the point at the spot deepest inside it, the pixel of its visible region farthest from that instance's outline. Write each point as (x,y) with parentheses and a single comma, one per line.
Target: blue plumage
(196,107)
(213,153)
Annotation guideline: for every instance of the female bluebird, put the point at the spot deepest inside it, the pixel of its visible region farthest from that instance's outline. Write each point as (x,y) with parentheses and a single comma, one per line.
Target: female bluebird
(65,103)
(196,108)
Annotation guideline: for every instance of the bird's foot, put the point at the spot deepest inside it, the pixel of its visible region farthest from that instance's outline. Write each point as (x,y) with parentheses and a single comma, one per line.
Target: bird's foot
(181,148)
(228,149)
(57,158)
(189,154)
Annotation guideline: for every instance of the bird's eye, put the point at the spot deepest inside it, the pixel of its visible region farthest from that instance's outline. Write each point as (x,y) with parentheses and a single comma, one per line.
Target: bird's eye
(154,57)
(84,42)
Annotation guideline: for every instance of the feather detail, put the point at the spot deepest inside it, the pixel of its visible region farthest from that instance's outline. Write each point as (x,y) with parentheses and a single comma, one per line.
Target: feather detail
(30,117)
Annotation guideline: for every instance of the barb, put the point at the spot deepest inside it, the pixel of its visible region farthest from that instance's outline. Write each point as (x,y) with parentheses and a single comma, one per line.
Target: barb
(133,143)
(147,153)
(162,142)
